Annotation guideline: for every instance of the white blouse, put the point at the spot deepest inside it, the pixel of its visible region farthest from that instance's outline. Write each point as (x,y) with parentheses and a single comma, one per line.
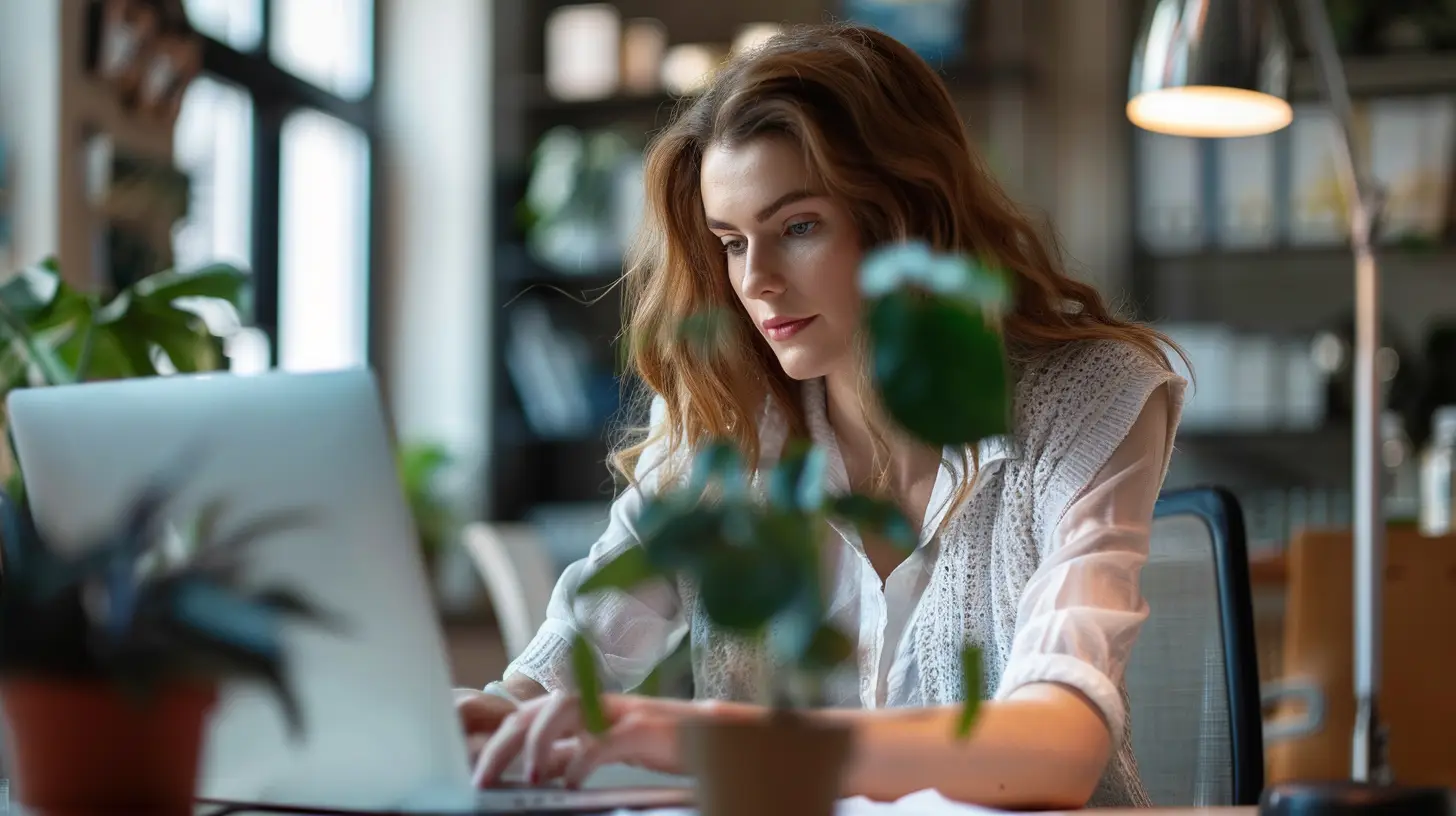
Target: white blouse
(1083,602)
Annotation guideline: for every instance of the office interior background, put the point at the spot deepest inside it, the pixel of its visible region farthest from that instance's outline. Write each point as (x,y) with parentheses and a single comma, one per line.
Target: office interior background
(441,189)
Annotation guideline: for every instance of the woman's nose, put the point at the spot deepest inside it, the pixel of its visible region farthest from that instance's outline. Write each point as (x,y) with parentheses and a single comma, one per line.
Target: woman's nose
(762,275)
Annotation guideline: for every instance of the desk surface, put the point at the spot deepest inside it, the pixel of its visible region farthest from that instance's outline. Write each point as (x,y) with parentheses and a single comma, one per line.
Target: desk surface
(877,810)
(849,809)
(1225,811)
(923,808)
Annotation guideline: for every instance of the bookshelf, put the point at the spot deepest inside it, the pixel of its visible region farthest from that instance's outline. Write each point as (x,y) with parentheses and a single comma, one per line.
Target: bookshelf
(529,468)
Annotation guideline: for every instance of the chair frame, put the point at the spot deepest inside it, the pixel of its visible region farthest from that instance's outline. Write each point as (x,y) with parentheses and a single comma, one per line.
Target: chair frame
(1219,510)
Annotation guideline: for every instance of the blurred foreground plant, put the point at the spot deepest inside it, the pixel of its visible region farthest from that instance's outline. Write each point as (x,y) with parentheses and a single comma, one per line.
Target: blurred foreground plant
(939,369)
(142,607)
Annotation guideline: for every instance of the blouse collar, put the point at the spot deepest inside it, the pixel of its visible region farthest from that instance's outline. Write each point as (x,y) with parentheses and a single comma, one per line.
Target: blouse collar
(952,468)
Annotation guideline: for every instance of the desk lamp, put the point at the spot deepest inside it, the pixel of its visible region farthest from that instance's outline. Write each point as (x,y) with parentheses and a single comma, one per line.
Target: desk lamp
(1220,68)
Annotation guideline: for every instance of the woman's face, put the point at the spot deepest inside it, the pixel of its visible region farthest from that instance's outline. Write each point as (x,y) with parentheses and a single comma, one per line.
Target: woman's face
(793,253)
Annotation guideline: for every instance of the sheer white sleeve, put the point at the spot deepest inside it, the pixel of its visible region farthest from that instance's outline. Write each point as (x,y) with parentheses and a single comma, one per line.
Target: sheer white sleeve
(1081,611)
(632,632)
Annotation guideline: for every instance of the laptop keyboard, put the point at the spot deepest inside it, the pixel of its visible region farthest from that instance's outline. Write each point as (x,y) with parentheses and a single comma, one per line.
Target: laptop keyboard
(563,800)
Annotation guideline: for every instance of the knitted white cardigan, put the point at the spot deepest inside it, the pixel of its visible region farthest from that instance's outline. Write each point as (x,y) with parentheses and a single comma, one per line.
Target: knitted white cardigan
(1072,410)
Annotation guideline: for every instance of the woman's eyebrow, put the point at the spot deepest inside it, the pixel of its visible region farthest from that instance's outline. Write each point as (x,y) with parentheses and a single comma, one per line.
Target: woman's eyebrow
(767,212)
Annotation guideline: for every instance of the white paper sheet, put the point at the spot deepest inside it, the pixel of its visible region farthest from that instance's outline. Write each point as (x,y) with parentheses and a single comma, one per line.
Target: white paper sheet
(922,803)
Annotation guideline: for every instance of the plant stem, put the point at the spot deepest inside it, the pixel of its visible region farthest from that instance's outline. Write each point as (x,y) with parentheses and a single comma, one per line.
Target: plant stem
(88,342)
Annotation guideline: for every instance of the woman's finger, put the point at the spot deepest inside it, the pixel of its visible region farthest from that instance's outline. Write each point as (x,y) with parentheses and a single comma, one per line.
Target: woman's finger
(481,712)
(504,746)
(475,744)
(559,759)
(561,720)
(631,739)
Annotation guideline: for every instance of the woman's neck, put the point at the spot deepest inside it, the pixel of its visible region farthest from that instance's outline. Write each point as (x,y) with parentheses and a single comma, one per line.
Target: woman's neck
(907,463)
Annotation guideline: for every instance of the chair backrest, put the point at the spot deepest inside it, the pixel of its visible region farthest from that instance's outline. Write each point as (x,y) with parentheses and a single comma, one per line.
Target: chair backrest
(519,575)
(1193,679)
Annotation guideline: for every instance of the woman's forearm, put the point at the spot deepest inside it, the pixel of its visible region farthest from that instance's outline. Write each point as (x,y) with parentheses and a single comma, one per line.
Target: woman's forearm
(1044,748)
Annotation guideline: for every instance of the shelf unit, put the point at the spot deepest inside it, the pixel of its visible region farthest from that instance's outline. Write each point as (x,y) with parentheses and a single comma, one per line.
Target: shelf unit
(1369,77)
(1287,289)
(528,471)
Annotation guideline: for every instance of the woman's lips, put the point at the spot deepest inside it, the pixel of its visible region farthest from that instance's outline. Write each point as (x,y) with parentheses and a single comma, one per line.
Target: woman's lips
(784,330)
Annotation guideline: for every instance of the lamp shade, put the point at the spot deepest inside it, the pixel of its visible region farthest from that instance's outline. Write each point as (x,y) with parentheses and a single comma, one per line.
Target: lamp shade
(1212,68)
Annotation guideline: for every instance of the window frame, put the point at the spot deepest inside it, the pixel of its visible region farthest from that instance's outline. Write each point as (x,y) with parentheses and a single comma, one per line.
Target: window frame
(276,94)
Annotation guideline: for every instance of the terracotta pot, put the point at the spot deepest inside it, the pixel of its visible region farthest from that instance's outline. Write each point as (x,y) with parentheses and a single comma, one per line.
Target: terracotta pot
(81,747)
(783,765)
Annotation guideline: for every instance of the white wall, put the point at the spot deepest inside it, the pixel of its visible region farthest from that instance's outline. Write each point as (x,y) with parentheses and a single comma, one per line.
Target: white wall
(434,86)
(1088,67)
(30,118)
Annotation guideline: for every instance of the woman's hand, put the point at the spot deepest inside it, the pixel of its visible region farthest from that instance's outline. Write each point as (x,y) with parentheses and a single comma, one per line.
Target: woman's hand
(549,735)
(481,714)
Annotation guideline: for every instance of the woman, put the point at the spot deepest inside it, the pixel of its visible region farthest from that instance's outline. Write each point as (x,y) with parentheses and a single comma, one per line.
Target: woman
(762,198)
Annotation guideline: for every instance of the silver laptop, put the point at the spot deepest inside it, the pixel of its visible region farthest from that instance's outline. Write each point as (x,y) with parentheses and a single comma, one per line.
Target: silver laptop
(381,730)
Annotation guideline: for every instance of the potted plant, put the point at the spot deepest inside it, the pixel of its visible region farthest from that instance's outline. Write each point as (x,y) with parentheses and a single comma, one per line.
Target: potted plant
(53,334)
(111,652)
(755,559)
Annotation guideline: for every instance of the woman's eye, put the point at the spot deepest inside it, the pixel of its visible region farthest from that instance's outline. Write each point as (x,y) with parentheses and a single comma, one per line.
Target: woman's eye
(802,228)
(735,246)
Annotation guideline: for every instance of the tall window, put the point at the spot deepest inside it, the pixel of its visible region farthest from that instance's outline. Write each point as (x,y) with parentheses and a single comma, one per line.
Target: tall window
(277,138)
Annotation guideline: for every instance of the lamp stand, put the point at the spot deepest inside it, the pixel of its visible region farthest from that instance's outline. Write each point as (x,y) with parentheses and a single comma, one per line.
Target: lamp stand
(1370,788)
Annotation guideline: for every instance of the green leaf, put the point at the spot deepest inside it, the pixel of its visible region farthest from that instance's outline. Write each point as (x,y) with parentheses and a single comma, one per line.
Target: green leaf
(48,362)
(87,351)
(939,368)
(797,479)
(796,627)
(18,537)
(419,464)
(588,685)
(294,604)
(209,520)
(971,684)
(109,360)
(913,265)
(743,588)
(222,617)
(679,534)
(828,649)
(137,353)
(707,332)
(877,517)
(227,550)
(669,672)
(180,334)
(625,572)
(31,291)
(36,351)
(217,282)
(718,462)
(13,369)
(68,306)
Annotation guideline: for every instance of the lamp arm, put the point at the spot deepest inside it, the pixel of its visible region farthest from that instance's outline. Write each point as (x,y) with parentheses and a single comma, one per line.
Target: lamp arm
(1369,762)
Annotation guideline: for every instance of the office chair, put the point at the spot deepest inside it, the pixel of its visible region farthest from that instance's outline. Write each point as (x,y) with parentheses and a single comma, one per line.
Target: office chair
(1193,678)
(519,577)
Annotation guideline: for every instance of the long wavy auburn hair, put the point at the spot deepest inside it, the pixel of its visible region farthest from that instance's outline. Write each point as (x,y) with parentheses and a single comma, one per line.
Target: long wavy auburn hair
(879,132)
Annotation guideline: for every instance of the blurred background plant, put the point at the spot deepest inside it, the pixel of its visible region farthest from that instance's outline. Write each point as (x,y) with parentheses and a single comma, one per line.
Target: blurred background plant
(420,467)
(54,334)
